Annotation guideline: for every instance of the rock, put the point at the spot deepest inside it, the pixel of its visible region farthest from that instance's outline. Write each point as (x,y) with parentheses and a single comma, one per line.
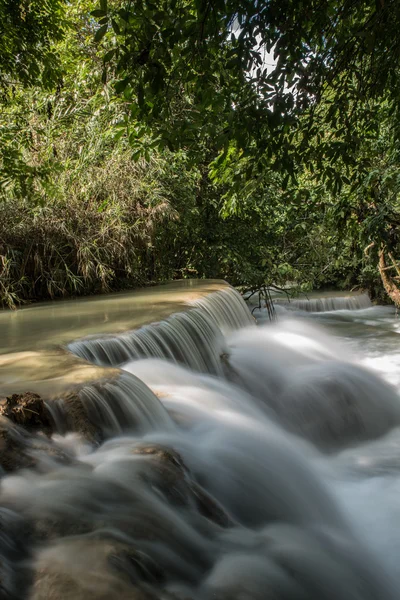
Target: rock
(106,570)
(25,426)
(135,565)
(21,450)
(77,419)
(169,474)
(68,413)
(29,411)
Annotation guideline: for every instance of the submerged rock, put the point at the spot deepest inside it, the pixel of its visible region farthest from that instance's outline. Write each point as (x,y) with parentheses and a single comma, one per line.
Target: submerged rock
(14,555)
(166,471)
(336,405)
(13,448)
(106,570)
(20,449)
(77,418)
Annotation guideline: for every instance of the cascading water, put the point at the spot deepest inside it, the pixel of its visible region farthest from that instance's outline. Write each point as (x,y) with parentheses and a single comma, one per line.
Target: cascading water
(328,303)
(193,338)
(232,461)
(112,407)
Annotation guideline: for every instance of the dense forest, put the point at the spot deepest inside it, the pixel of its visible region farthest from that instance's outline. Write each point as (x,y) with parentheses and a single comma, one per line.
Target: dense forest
(254,141)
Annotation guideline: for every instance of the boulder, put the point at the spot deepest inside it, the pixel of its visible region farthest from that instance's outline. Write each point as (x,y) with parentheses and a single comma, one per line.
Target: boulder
(166,471)
(27,410)
(106,570)
(20,449)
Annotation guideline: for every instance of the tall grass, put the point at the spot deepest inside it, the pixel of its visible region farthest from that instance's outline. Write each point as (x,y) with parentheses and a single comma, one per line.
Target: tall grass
(94,236)
(89,224)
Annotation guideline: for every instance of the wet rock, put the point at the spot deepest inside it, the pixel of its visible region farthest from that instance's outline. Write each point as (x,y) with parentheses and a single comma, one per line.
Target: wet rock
(106,570)
(337,405)
(27,410)
(135,565)
(49,529)
(209,507)
(162,455)
(77,419)
(169,474)
(25,426)
(22,450)
(13,448)
(14,555)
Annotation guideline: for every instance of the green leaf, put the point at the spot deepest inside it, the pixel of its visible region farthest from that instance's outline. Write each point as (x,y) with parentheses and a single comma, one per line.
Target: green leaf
(115,27)
(119,135)
(121,85)
(100,33)
(108,55)
(140,95)
(101,208)
(98,13)
(103,5)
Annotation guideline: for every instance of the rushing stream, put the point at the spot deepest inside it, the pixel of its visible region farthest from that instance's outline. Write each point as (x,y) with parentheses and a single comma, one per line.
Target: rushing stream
(227,460)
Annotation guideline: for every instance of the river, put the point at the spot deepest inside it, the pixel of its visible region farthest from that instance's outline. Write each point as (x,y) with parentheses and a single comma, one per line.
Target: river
(228,459)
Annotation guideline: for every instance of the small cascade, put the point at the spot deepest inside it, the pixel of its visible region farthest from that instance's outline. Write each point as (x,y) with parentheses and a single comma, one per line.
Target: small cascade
(193,338)
(226,309)
(222,461)
(111,407)
(327,304)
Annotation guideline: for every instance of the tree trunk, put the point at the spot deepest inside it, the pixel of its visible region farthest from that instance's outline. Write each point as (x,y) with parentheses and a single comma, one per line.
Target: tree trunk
(390,286)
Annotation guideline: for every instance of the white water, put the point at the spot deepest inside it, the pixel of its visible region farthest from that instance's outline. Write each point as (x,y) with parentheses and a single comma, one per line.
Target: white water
(291,478)
(326,303)
(193,338)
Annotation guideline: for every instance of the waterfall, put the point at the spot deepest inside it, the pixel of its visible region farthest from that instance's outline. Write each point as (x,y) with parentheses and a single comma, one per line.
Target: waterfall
(193,338)
(326,304)
(110,407)
(226,309)
(221,460)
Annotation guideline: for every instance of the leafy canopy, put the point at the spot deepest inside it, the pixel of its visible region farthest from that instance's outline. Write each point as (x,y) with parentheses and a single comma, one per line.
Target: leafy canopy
(198,69)
(267,130)
(27,33)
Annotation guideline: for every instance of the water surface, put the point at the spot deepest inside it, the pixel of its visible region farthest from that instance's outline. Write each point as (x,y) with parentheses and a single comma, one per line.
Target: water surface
(228,460)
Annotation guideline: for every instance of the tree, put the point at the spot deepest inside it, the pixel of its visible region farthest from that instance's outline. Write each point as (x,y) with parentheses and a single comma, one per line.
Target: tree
(286,171)
(28,31)
(28,34)
(186,68)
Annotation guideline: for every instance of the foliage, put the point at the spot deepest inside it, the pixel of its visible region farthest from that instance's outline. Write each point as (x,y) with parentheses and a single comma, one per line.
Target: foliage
(27,32)
(94,237)
(148,140)
(195,70)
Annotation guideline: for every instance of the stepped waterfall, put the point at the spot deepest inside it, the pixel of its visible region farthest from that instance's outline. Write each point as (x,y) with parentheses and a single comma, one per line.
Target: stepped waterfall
(201,454)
